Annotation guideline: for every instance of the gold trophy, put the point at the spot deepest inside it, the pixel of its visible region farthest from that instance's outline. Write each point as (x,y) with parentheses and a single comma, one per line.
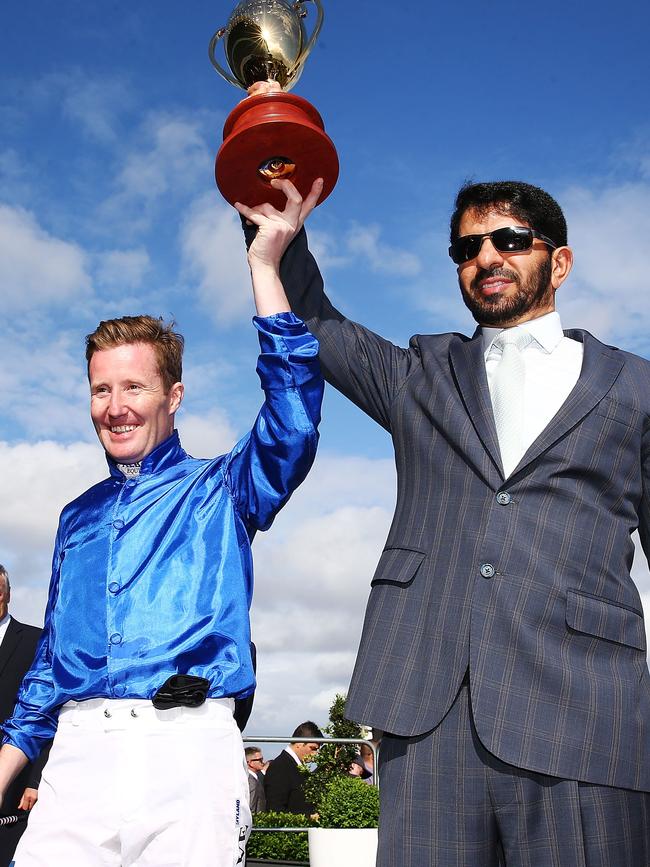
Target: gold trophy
(276,134)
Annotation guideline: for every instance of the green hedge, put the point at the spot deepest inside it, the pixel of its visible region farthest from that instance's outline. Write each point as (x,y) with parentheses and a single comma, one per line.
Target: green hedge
(283,845)
(348,802)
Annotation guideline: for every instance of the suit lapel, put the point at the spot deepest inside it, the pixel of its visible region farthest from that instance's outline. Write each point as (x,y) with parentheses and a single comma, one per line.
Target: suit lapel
(468,366)
(9,643)
(600,368)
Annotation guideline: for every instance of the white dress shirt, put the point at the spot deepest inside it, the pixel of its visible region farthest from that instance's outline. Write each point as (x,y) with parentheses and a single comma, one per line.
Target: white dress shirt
(3,626)
(293,756)
(552,365)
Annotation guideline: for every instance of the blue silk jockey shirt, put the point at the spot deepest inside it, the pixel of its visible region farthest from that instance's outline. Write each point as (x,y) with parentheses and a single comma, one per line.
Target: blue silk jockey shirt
(152,576)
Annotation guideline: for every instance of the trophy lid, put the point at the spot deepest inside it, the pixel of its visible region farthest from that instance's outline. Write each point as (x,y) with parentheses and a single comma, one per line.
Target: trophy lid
(264,40)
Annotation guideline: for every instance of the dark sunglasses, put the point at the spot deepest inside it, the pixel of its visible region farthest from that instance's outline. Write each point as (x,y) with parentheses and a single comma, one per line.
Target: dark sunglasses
(509,239)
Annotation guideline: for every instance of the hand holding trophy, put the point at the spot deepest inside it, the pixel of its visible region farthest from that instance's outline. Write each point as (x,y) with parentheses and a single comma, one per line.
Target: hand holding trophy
(272,134)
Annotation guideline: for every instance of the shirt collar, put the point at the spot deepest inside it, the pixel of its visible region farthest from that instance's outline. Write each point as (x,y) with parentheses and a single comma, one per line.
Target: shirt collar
(293,755)
(166,454)
(5,620)
(545,330)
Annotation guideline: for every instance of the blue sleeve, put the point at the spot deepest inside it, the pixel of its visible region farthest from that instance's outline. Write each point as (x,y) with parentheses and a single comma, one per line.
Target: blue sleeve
(269,463)
(34,720)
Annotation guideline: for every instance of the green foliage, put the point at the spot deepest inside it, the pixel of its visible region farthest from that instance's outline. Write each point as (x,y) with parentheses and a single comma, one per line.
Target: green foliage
(280,846)
(341,801)
(348,802)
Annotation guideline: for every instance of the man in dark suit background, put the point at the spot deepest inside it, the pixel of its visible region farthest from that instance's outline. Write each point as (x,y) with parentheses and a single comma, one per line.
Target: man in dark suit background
(503,649)
(17,647)
(284,779)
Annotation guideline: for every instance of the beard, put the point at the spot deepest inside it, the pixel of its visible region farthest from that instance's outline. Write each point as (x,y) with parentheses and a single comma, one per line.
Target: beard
(496,309)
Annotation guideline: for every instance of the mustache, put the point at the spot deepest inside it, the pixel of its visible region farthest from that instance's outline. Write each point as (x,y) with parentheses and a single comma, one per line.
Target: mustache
(484,273)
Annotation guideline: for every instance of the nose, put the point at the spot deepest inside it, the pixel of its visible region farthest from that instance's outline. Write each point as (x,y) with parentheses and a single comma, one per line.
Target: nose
(488,255)
(117,406)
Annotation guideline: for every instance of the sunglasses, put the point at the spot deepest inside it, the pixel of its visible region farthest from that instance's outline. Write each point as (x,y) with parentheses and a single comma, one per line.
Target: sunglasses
(509,239)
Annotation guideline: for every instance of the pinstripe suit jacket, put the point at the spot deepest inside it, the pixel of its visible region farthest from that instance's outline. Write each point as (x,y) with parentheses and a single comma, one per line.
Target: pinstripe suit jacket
(532,590)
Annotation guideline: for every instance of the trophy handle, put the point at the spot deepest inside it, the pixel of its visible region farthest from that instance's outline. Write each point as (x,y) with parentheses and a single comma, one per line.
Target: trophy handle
(312,39)
(221,32)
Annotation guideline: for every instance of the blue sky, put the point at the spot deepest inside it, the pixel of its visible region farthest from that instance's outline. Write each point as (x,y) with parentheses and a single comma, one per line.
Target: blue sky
(110,116)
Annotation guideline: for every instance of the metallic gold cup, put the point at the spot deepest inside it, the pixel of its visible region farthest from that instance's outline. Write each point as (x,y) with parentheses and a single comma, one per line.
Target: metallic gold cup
(271,135)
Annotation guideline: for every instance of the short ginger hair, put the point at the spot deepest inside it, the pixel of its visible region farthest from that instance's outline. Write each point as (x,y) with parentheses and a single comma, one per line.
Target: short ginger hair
(160,335)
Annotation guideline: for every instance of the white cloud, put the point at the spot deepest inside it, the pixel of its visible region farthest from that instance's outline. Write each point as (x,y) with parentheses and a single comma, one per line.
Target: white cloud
(175,156)
(214,257)
(95,104)
(35,267)
(170,161)
(43,382)
(366,241)
(38,479)
(206,435)
(363,242)
(607,291)
(123,268)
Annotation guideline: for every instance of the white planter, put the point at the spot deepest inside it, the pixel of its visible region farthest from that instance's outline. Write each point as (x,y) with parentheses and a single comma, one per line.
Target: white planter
(342,847)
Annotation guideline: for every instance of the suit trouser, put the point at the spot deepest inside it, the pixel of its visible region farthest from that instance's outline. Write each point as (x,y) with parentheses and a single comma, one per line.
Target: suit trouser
(447,802)
(129,786)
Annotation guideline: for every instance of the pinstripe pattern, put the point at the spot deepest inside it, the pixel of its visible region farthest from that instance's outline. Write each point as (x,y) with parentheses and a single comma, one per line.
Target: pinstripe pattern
(554,638)
(447,802)
(531,593)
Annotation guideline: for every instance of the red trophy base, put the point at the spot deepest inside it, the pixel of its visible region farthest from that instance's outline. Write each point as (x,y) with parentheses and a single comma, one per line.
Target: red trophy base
(274,135)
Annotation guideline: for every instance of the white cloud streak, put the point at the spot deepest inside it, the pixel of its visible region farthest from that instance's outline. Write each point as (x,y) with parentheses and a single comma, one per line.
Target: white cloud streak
(37,268)
(214,260)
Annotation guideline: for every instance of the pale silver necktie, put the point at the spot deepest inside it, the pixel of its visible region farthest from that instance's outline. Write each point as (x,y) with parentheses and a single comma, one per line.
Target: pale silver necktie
(508,396)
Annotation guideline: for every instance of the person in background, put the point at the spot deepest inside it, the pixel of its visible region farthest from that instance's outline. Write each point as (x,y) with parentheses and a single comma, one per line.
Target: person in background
(256,766)
(285,777)
(17,647)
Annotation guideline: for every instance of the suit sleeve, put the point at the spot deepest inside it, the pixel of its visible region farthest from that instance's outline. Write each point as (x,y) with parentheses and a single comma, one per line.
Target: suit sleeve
(34,721)
(644,512)
(276,788)
(269,463)
(365,367)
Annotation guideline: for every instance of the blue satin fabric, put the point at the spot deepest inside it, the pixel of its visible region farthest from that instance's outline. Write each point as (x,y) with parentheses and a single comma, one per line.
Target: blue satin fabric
(153,576)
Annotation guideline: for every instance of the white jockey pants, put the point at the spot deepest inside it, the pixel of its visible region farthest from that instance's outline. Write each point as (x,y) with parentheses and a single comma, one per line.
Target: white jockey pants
(127,785)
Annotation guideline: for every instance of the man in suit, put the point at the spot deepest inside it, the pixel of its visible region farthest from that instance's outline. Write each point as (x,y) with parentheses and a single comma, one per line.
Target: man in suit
(17,647)
(255,764)
(503,649)
(284,780)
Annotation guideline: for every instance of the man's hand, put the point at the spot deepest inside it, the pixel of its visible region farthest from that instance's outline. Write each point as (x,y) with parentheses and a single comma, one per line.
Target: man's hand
(29,798)
(264,87)
(277,229)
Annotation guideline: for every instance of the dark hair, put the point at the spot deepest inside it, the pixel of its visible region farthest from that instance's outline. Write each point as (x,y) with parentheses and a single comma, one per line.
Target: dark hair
(307,730)
(527,203)
(167,343)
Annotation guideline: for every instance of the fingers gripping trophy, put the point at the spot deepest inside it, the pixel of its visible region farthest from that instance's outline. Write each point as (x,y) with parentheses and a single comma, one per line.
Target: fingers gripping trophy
(271,134)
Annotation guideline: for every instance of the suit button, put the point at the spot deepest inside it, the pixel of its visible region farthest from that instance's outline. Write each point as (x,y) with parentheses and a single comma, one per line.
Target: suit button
(118,524)
(113,587)
(115,638)
(503,498)
(488,570)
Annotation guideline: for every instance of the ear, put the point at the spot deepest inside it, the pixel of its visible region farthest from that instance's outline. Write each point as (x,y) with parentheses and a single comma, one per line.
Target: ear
(561,264)
(176,393)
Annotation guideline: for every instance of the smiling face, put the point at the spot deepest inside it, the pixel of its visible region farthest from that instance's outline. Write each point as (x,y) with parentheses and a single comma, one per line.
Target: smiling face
(505,289)
(129,408)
